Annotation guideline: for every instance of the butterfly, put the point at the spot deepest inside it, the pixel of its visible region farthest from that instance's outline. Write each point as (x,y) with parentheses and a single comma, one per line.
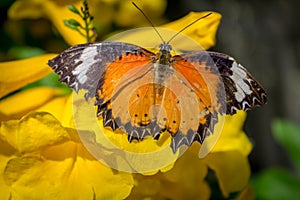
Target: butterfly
(144,93)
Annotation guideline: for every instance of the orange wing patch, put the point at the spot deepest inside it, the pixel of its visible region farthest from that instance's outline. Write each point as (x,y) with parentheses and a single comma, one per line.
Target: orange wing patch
(119,74)
(118,69)
(156,103)
(205,85)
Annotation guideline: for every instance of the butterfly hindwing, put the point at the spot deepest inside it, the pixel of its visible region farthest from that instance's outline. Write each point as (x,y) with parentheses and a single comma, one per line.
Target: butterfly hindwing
(203,81)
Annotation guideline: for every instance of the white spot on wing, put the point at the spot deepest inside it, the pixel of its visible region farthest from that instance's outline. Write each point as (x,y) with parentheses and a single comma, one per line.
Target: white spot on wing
(87,58)
(238,76)
(231,58)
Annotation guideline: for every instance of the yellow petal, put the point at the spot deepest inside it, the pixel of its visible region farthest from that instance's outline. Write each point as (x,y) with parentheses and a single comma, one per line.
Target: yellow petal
(16,74)
(7,152)
(231,168)
(25,135)
(54,165)
(188,40)
(55,10)
(34,9)
(204,31)
(17,105)
(72,176)
(156,153)
(137,36)
(128,15)
(186,180)
(61,108)
(233,137)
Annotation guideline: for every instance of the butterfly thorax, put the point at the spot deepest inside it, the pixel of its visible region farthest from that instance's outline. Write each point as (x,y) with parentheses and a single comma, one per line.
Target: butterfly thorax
(162,64)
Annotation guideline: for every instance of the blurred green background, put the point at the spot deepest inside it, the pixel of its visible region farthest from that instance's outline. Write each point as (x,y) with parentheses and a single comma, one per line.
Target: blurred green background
(263,35)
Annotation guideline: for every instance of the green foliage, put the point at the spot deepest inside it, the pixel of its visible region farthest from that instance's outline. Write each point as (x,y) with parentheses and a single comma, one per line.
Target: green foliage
(72,23)
(50,81)
(88,27)
(279,183)
(73,9)
(22,52)
(287,134)
(276,183)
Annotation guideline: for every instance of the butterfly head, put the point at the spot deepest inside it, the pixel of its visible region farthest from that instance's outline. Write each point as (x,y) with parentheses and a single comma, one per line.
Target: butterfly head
(165,47)
(164,54)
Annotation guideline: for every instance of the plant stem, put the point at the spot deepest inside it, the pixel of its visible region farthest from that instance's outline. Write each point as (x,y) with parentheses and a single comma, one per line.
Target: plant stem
(86,18)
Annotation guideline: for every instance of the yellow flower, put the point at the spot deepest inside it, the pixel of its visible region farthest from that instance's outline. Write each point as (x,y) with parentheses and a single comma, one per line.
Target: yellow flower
(124,14)
(15,75)
(205,32)
(186,180)
(41,159)
(43,155)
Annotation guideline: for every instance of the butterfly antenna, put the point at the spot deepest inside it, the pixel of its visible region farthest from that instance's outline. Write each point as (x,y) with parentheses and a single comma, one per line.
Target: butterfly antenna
(187,27)
(148,19)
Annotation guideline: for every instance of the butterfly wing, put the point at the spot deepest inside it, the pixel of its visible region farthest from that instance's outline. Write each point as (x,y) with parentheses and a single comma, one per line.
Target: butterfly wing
(81,66)
(185,111)
(243,92)
(109,71)
(221,85)
(140,105)
(203,82)
(120,86)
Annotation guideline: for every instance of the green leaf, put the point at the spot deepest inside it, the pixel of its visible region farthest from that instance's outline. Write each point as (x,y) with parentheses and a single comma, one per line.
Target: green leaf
(52,80)
(288,135)
(73,9)
(276,184)
(70,23)
(73,22)
(22,52)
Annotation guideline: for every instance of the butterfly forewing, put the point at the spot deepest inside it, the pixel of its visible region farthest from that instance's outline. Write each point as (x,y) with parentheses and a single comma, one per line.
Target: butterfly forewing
(81,66)
(243,92)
